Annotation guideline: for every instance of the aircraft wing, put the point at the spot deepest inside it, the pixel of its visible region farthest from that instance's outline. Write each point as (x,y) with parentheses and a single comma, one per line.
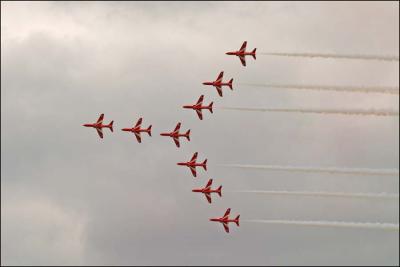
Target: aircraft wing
(139,139)
(208,196)
(176,140)
(243,47)
(139,122)
(100,120)
(219,89)
(194,157)
(220,76)
(198,111)
(209,183)
(200,101)
(177,127)
(226,215)
(193,169)
(100,132)
(226,227)
(243,60)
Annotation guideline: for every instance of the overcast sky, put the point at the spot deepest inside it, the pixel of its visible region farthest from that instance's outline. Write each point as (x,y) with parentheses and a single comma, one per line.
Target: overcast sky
(69,197)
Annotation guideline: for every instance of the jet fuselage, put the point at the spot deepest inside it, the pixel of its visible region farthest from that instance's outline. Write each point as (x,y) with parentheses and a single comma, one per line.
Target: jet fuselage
(135,130)
(196,107)
(217,83)
(240,53)
(205,190)
(96,125)
(174,134)
(191,164)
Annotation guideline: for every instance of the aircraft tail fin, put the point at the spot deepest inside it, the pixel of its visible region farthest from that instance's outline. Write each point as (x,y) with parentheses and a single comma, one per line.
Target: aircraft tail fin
(210,107)
(219,191)
(237,220)
(149,130)
(187,135)
(205,164)
(254,53)
(230,83)
(111,126)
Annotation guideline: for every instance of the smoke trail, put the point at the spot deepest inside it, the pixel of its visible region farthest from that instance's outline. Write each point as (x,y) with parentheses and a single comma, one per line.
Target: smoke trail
(360,89)
(370,112)
(317,170)
(339,56)
(324,194)
(381,226)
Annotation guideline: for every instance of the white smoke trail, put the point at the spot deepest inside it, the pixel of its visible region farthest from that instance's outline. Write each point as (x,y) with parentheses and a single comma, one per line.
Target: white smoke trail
(359,89)
(369,112)
(388,172)
(324,194)
(339,56)
(381,226)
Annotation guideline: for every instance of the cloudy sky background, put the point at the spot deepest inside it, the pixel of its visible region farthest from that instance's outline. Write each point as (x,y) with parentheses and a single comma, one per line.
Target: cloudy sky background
(69,197)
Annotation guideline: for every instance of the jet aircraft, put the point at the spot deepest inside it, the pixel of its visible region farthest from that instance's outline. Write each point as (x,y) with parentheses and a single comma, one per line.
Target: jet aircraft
(218,83)
(137,130)
(225,220)
(99,125)
(175,134)
(242,53)
(192,164)
(199,106)
(207,190)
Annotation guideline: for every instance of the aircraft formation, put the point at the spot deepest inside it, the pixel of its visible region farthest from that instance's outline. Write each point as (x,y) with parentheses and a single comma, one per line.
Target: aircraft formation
(176,134)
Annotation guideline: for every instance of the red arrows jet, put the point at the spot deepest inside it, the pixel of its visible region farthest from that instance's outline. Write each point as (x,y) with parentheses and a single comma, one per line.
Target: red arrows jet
(207,190)
(225,220)
(99,125)
(137,130)
(218,83)
(242,53)
(175,134)
(192,164)
(198,107)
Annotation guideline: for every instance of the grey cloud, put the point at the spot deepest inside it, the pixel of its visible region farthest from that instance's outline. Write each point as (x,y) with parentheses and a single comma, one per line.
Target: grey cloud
(65,63)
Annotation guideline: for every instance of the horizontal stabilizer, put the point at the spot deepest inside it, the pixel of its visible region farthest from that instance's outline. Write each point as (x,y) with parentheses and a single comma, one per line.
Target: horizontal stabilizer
(219,190)
(210,107)
(230,84)
(111,126)
(237,220)
(187,135)
(205,164)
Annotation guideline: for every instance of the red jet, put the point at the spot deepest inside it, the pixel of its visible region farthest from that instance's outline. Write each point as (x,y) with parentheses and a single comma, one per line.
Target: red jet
(242,53)
(207,190)
(99,125)
(192,164)
(218,83)
(225,220)
(198,107)
(175,134)
(137,130)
